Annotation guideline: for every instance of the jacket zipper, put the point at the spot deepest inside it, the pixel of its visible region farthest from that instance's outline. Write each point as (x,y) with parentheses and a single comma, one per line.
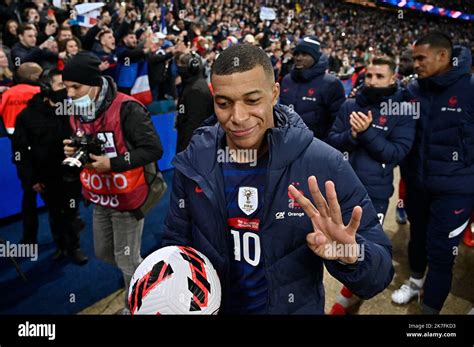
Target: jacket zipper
(264,218)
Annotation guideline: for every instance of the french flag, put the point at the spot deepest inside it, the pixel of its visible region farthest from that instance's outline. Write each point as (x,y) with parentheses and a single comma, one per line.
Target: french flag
(141,88)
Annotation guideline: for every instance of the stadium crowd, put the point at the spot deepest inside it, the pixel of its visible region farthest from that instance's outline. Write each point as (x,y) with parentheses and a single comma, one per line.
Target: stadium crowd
(159,33)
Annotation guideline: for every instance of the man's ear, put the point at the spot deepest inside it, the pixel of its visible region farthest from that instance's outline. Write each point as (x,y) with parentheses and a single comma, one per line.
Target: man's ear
(443,54)
(275,93)
(393,79)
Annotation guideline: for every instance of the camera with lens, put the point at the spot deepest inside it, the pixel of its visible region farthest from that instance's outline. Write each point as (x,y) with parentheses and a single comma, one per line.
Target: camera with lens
(85,144)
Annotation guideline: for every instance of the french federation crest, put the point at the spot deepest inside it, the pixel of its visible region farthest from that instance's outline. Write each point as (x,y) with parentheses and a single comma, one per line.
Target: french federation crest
(248,199)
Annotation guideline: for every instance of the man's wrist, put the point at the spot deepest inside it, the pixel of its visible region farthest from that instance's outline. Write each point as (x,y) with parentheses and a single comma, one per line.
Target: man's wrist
(352,254)
(348,261)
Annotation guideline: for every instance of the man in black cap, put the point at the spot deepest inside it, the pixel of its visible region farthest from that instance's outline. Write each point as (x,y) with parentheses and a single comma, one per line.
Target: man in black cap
(39,131)
(115,182)
(313,94)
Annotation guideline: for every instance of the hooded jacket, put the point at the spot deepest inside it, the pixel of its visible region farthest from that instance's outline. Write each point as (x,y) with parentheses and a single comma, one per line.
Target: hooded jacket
(194,106)
(442,158)
(38,142)
(315,96)
(291,268)
(375,152)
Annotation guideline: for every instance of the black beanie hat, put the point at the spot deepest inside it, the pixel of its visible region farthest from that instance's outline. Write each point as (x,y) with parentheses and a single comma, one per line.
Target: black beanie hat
(83,68)
(310,45)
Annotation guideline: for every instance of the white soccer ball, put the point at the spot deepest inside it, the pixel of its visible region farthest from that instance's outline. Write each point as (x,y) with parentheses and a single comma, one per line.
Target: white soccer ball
(175,280)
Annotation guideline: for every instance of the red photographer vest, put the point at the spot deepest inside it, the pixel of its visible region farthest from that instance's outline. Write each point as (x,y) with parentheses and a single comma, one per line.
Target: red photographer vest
(123,191)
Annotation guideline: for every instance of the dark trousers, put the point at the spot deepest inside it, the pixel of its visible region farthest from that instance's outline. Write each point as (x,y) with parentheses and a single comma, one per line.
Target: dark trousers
(381,207)
(29,215)
(436,226)
(62,202)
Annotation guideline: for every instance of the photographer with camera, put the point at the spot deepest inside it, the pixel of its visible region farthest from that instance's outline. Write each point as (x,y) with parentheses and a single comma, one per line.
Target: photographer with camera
(36,142)
(117,182)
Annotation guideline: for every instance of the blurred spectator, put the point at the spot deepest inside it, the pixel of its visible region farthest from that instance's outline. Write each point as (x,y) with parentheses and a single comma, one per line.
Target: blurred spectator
(31,16)
(27,51)
(358,76)
(159,66)
(6,76)
(64,33)
(10,33)
(129,54)
(105,17)
(37,143)
(106,53)
(14,100)
(405,67)
(49,31)
(67,49)
(195,103)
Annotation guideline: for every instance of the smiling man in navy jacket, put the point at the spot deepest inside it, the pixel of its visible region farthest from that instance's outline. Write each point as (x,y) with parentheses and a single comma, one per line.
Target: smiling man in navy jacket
(268,241)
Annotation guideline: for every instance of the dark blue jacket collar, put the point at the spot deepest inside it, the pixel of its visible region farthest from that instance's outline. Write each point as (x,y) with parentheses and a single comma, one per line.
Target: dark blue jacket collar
(317,69)
(399,95)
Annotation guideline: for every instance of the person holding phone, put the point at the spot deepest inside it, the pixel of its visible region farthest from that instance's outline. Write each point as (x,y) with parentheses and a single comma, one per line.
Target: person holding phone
(67,49)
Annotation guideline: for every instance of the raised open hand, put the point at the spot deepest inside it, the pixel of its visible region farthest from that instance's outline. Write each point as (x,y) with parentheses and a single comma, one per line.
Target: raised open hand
(330,238)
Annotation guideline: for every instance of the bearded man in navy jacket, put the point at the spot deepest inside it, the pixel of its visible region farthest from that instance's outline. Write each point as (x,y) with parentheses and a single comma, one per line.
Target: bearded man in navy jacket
(315,95)
(439,171)
(270,222)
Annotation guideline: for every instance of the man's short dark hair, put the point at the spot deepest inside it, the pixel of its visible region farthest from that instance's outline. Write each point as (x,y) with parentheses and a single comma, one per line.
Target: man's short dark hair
(47,75)
(25,27)
(127,33)
(436,40)
(102,33)
(62,28)
(242,58)
(408,52)
(384,60)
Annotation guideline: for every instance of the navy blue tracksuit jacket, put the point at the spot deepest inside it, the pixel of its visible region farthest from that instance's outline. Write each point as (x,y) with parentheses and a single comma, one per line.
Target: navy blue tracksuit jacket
(442,159)
(439,173)
(316,96)
(375,152)
(291,268)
